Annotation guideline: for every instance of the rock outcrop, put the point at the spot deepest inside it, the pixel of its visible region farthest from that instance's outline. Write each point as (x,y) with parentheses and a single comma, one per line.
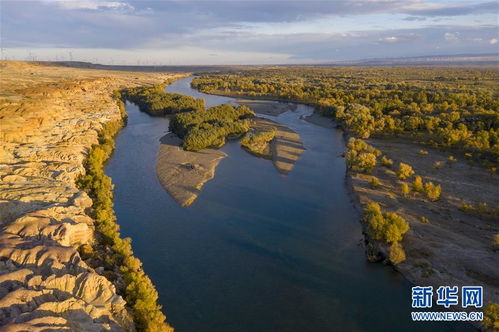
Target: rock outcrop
(49,118)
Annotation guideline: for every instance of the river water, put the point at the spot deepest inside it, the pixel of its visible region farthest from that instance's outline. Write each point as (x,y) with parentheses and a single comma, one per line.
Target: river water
(257,251)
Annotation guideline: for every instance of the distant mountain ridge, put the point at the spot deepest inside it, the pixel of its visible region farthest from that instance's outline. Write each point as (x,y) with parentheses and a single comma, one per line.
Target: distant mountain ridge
(458,59)
(489,59)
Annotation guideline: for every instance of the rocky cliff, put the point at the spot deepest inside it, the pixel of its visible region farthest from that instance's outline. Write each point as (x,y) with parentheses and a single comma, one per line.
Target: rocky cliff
(49,119)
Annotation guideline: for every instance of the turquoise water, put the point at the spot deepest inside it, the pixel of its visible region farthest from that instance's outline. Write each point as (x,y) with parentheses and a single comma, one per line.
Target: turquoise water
(257,251)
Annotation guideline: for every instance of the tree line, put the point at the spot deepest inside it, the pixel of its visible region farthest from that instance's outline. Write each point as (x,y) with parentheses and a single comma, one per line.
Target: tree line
(112,251)
(455,108)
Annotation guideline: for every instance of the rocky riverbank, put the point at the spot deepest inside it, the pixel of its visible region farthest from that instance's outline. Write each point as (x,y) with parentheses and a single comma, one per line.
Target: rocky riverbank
(50,118)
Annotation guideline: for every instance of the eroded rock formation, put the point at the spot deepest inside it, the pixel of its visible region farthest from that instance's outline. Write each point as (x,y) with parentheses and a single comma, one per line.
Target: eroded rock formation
(49,119)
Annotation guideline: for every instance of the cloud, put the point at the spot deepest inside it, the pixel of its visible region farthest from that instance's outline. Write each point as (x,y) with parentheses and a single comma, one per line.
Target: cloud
(493,41)
(415,18)
(449,36)
(237,27)
(94,5)
(400,38)
(421,8)
(389,40)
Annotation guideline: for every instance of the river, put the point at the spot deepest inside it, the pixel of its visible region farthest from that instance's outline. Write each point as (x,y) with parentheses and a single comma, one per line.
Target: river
(257,251)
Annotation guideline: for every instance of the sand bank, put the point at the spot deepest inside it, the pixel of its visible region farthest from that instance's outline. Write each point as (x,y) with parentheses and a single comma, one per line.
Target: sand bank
(183,173)
(286,147)
(267,107)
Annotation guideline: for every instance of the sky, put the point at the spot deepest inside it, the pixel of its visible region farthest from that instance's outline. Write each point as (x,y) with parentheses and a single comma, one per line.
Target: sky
(184,32)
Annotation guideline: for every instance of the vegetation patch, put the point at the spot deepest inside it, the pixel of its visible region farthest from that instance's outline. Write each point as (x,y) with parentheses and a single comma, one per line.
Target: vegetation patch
(360,155)
(388,227)
(448,108)
(155,101)
(116,253)
(210,128)
(256,141)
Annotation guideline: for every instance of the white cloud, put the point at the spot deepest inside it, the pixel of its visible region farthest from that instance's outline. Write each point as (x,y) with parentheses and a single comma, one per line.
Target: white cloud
(94,5)
(453,37)
(493,41)
(389,40)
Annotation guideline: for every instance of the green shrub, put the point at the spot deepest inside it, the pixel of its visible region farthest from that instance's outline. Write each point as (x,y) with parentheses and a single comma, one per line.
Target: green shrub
(389,226)
(423,152)
(405,171)
(396,253)
(424,220)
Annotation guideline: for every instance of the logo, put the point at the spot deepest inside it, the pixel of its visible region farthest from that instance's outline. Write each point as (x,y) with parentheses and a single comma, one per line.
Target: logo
(447,297)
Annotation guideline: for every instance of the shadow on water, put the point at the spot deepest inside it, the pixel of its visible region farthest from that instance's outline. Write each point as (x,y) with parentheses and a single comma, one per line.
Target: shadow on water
(258,251)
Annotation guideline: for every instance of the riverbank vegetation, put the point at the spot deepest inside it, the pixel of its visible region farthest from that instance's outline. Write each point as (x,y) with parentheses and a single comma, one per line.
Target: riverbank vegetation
(202,129)
(112,251)
(450,108)
(257,141)
(360,155)
(388,227)
(155,101)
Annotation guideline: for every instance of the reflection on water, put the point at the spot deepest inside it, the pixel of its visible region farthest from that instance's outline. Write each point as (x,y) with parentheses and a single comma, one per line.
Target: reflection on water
(257,251)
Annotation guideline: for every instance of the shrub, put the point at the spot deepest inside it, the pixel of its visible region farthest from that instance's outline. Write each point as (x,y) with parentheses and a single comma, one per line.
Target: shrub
(432,191)
(404,188)
(496,240)
(396,253)
(417,185)
(423,152)
(389,226)
(491,316)
(405,171)
(437,165)
(425,220)
(480,209)
(360,155)
(386,162)
(374,182)
(452,160)
(366,161)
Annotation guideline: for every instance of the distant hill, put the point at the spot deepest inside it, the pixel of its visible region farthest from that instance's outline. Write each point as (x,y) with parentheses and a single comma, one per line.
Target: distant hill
(440,60)
(491,59)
